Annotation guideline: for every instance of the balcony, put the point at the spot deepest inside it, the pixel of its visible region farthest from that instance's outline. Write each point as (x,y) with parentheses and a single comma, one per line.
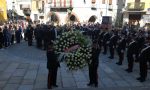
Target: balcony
(135,6)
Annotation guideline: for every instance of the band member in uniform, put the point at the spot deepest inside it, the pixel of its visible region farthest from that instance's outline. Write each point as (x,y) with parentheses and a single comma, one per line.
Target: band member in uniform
(112,44)
(93,76)
(144,59)
(130,54)
(121,49)
(52,66)
(105,41)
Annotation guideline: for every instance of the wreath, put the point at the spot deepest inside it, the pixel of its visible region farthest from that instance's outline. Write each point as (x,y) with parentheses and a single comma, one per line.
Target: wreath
(74,48)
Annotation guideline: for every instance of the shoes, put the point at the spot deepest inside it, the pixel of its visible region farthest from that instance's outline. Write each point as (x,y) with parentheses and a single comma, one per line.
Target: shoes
(55,85)
(104,53)
(111,57)
(141,79)
(49,87)
(96,85)
(89,84)
(119,63)
(128,70)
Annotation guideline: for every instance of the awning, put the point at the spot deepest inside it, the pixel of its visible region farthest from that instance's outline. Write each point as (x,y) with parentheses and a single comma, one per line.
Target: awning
(25,6)
(133,11)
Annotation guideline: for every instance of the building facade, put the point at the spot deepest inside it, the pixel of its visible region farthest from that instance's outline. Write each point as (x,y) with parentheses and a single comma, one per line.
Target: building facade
(134,11)
(3,11)
(71,11)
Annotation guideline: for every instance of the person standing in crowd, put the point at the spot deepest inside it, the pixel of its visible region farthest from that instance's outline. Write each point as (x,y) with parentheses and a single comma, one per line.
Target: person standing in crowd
(106,41)
(144,58)
(130,54)
(1,38)
(52,66)
(6,36)
(18,35)
(93,66)
(30,35)
(100,40)
(13,34)
(121,46)
(112,44)
(38,36)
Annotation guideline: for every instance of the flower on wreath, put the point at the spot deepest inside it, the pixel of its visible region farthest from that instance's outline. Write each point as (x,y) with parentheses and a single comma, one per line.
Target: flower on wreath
(77,47)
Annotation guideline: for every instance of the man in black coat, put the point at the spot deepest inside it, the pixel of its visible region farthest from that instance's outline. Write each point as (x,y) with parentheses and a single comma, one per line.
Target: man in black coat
(30,35)
(121,46)
(112,44)
(105,41)
(1,38)
(144,57)
(93,66)
(52,66)
(132,48)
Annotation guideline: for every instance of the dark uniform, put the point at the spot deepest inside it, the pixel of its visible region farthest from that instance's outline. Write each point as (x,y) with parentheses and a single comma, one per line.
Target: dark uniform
(52,66)
(144,57)
(100,40)
(1,38)
(130,52)
(112,45)
(105,42)
(94,66)
(30,35)
(121,49)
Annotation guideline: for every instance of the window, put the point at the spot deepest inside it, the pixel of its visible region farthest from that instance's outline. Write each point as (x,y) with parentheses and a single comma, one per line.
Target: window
(110,2)
(103,1)
(84,1)
(93,1)
(37,4)
(21,7)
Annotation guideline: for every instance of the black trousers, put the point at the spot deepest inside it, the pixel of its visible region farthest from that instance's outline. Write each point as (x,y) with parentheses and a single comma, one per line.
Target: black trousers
(1,45)
(121,56)
(39,43)
(93,76)
(112,51)
(143,69)
(52,77)
(130,59)
(12,39)
(29,41)
(105,48)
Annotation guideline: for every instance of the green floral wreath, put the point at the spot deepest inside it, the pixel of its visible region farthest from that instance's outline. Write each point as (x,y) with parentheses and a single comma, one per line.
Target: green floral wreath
(75,47)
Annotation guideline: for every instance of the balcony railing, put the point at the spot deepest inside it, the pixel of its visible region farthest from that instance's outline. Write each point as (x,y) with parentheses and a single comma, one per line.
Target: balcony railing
(135,6)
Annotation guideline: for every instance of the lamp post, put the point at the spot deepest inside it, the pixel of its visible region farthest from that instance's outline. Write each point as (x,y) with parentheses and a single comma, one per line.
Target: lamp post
(13,10)
(50,2)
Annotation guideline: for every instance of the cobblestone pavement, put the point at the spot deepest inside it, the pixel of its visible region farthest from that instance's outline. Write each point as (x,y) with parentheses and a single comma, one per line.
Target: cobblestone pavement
(24,68)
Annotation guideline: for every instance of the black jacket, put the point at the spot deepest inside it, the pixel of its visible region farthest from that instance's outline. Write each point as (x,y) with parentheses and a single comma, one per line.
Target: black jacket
(52,62)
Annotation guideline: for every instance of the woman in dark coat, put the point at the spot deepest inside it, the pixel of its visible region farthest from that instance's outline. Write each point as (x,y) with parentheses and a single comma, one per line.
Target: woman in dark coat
(52,66)
(93,66)
(1,38)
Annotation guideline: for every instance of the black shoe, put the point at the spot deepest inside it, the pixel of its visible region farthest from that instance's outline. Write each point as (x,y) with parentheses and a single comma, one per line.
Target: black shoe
(104,53)
(49,87)
(111,57)
(140,79)
(55,85)
(96,85)
(128,70)
(119,63)
(89,84)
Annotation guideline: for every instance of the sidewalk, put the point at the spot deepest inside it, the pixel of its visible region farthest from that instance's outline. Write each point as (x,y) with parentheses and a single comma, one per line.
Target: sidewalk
(24,68)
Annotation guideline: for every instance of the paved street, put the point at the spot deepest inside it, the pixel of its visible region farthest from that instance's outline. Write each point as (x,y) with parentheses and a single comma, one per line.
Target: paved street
(24,68)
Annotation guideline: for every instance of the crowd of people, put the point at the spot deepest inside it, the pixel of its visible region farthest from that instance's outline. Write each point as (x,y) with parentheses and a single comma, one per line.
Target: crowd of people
(135,43)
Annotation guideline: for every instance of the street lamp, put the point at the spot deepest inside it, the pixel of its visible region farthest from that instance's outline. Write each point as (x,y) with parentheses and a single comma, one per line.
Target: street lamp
(13,10)
(50,2)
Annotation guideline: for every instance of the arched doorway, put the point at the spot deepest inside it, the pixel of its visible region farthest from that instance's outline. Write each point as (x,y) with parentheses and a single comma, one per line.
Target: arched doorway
(53,17)
(71,18)
(92,19)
